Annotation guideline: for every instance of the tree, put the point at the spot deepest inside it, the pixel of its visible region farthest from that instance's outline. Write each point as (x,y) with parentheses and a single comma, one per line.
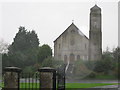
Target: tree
(23,50)
(24,41)
(116,54)
(106,64)
(48,62)
(44,52)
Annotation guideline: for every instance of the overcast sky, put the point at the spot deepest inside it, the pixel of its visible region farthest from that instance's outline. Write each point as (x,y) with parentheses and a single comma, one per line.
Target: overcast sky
(50,19)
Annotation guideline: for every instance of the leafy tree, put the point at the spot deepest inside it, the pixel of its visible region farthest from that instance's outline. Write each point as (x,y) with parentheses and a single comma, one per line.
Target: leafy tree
(48,62)
(23,50)
(106,64)
(44,52)
(24,41)
(116,54)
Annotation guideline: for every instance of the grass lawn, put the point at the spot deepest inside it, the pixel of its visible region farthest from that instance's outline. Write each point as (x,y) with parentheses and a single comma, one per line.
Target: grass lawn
(70,85)
(1,85)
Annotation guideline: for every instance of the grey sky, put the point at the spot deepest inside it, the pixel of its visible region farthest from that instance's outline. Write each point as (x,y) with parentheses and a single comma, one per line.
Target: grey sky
(50,19)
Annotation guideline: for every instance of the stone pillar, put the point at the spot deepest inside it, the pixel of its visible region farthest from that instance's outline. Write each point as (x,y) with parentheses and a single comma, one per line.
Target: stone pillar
(47,78)
(11,77)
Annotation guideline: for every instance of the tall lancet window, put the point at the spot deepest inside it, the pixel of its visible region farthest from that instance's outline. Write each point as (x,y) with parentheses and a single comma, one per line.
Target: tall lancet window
(72,41)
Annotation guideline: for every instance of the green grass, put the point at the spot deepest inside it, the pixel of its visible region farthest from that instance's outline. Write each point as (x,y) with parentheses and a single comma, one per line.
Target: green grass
(29,85)
(1,85)
(70,85)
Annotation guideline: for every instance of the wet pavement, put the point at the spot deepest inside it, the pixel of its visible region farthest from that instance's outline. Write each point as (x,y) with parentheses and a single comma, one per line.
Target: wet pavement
(92,81)
(108,86)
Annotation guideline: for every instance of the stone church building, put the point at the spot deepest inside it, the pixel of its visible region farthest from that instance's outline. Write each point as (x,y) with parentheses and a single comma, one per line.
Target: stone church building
(73,45)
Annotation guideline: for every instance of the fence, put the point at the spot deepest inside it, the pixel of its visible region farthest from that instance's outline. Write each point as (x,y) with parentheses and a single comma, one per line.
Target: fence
(29,80)
(40,80)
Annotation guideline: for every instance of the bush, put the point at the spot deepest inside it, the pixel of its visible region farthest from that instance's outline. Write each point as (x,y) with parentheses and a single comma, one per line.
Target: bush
(92,75)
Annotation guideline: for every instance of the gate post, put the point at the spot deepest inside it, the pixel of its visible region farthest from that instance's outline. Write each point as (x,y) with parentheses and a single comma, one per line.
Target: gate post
(61,77)
(11,77)
(47,78)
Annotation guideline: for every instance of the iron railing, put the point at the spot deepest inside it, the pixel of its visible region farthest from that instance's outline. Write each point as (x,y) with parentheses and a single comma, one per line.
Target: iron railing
(29,81)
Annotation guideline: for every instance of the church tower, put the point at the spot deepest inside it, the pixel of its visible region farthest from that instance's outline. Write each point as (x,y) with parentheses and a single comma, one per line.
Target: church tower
(95,34)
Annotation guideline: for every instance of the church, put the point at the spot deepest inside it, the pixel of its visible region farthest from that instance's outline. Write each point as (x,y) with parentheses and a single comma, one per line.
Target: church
(73,45)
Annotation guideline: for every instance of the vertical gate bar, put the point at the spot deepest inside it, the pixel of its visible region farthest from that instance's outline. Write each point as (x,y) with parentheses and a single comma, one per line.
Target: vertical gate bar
(29,81)
(39,80)
(21,85)
(36,80)
(54,75)
(18,81)
(22,80)
(25,77)
(32,81)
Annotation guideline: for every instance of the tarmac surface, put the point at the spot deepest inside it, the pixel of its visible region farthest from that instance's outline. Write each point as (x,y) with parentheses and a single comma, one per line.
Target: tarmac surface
(92,81)
(108,86)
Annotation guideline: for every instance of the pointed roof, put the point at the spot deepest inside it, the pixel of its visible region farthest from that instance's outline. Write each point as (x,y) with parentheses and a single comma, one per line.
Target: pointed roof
(73,25)
(95,7)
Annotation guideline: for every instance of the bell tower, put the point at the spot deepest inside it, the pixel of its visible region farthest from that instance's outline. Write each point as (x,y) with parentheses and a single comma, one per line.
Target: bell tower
(95,34)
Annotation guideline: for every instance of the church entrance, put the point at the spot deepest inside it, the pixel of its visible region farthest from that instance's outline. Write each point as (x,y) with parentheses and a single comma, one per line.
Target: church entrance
(72,58)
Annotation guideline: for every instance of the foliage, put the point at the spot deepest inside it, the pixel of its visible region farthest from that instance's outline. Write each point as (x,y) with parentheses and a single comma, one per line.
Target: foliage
(28,69)
(24,41)
(116,54)
(106,64)
(44,52)
(51,62)
(48,62)
(92,75)
(57,63)
(23,50)
(90,64)
(80,69)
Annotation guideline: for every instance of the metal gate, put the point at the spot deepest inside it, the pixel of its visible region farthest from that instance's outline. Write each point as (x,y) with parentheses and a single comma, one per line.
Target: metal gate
(61,78)
(29,81)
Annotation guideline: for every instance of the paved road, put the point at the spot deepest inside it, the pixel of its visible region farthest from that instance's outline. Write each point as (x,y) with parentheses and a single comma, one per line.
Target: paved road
(92,81)
(108,86)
